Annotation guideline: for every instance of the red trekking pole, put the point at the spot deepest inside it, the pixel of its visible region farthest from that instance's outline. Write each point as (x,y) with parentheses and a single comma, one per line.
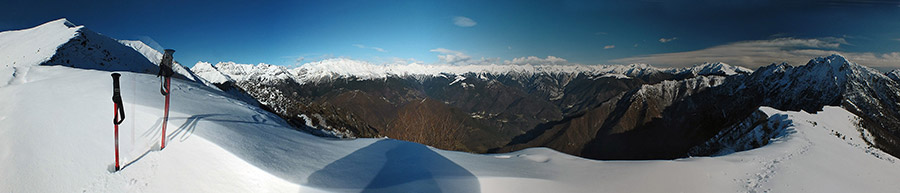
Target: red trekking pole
(118,112)
(165,70)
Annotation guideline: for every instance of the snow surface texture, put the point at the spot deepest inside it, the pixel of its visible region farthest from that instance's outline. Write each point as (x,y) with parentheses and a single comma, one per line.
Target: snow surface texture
(330,69)
(219,144)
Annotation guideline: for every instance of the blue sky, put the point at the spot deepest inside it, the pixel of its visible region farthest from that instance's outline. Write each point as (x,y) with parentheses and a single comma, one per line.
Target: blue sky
(662,33)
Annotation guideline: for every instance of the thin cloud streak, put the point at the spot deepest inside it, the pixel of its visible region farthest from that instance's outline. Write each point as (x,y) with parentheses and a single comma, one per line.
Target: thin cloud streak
(464,21)
(451,56)
(664,40)
(758,53)
(534,60)
(369,47)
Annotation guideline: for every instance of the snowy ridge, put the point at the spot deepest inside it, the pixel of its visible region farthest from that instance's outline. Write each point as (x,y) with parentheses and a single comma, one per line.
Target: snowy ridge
(60,42)
(753,132)
(244,72)
(717,68)
(670,90)
(342,67)
(329,69)
(833,78)
(155,56)
(894,75)
(210,73)
(39,43)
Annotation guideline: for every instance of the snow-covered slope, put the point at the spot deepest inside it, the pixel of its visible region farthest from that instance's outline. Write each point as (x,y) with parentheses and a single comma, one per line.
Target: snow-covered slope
(717,68)
(330,69)
(38,43)
(894,75)
(60,42)
(230,71)
(210,73)
(218,144)
(831,77)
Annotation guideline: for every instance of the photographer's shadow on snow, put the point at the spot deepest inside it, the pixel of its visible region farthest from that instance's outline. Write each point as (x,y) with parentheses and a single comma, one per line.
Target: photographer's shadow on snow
(394,166)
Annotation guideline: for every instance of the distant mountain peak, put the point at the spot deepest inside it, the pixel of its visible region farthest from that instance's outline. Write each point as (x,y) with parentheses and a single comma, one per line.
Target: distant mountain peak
(833,63)
(716,68)
(833,68)
(65,22)
(33,46)
(894,74)
(348,68)
(58,22)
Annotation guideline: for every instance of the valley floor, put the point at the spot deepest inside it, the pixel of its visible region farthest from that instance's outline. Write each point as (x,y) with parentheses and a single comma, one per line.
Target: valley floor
(56,136)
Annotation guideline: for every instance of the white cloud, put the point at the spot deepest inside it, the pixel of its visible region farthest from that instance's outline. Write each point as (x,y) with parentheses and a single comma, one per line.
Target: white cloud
(369,47)
(299,59)
(396,60)
(534,60)
(664,40)
(764,52)
(451,56)
(464,21)
(454,57)
(609,47)
(484,61)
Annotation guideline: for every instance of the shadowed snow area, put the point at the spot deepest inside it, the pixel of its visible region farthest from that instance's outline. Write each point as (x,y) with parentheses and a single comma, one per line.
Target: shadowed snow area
(389,163)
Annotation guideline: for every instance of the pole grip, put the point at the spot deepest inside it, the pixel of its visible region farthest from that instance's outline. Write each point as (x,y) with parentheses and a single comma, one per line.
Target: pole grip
(165,65)
(119,117)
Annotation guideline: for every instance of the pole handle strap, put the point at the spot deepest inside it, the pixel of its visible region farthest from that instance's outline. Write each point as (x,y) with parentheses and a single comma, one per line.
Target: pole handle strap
(118,113)
(162,88)
(119,109)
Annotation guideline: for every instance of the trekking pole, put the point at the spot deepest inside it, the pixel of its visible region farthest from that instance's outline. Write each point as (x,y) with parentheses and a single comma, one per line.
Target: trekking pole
(118,112)
(165,70)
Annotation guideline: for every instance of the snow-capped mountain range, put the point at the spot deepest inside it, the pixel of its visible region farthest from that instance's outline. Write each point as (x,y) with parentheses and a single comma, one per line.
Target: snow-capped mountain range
(831,80)
(272,85)
(336,68)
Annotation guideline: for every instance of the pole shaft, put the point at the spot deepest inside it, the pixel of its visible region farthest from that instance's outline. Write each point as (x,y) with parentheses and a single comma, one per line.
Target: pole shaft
(116,113)
(165,116)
